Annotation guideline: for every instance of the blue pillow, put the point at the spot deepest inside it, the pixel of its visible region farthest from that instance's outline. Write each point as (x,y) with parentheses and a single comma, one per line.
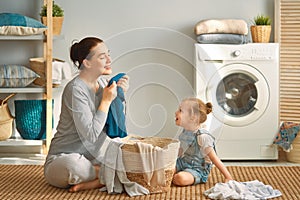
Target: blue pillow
(17,24)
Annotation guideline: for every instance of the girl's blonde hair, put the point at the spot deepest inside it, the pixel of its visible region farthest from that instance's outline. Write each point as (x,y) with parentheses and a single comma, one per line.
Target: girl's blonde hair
(199,108)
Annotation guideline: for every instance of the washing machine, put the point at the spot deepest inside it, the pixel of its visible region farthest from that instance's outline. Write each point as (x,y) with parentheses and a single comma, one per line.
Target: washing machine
(242,83)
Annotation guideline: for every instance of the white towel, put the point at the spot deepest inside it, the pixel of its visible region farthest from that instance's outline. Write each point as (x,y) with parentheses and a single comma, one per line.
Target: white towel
(234,26)
(242,190)
(152,161)
(60,70)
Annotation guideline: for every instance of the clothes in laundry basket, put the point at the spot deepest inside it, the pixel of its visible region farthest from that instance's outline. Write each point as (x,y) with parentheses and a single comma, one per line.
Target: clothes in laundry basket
(113,173)
(287,133)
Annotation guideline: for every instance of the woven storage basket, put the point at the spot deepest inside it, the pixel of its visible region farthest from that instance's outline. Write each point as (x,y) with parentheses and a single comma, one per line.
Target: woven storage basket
(30,116)
(57,24)
(6,119)
(294,154)
(261,34)
(132,160)
(6,129)
(38,66)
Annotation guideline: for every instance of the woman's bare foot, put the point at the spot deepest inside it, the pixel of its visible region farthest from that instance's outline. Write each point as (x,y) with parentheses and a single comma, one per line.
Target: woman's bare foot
(97,169)
(86,186)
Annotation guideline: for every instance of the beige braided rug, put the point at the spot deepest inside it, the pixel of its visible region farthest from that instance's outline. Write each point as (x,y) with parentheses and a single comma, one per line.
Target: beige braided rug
(27,182)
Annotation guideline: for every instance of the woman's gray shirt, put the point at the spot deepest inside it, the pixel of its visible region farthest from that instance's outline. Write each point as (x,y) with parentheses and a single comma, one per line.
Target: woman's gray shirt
(81,124)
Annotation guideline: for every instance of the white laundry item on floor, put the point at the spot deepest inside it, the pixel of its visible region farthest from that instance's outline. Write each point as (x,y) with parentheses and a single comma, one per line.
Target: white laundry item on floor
(113,175)
(242,190)
(152,161)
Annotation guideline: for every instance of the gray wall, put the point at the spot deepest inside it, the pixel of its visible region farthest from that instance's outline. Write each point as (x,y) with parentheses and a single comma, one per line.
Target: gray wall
(152,41)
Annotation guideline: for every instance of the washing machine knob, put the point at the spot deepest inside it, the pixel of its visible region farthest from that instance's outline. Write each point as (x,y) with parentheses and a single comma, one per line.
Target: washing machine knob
(236,53)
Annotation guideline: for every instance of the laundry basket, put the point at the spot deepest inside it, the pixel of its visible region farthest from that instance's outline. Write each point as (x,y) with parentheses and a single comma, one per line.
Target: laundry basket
(6,119)
(164,154)
(30,116)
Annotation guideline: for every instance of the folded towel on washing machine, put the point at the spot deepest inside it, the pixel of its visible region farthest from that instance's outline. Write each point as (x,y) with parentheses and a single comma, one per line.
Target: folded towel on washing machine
(242,190)
(222,38)
(235,26)
(287,133)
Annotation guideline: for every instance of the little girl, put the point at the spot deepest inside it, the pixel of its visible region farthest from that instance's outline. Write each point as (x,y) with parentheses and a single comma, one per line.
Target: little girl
(197,148)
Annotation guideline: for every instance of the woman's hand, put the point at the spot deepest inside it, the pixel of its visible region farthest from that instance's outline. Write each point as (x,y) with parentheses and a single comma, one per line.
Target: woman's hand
(109,94)
(124,83)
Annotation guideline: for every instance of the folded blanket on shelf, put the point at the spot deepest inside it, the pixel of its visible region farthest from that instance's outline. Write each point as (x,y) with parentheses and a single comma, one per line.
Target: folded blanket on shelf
(60,70)
(235,26)
(222,38)
(242,190)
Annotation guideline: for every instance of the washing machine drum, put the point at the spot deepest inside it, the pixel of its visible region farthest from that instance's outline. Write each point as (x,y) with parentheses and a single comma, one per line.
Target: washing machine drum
(239,93)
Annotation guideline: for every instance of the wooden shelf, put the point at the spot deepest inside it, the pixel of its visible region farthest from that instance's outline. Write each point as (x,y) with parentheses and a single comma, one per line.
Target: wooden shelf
(20,142)
(32,146)
(20,147)
(26,37)
(33,89)
(23,90)
(29,37)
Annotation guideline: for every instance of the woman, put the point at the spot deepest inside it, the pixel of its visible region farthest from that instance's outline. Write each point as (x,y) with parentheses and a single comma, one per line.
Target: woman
(75,151)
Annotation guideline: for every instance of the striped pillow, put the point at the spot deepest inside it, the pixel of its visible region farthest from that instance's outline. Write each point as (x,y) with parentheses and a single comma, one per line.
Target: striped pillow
(16,76)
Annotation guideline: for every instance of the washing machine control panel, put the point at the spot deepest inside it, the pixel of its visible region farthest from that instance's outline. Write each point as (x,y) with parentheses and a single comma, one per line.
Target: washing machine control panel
(253,51)
(261,53)
(264,53)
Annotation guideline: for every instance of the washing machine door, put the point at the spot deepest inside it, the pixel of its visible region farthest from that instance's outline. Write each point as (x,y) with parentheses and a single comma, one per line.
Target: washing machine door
(239,93)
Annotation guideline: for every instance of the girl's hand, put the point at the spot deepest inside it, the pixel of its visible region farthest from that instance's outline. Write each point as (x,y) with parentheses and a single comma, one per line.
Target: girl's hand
(227,180)
(124,83)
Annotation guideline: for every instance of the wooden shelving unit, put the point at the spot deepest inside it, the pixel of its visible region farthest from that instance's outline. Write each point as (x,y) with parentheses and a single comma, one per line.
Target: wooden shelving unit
(46,91)
(48,49)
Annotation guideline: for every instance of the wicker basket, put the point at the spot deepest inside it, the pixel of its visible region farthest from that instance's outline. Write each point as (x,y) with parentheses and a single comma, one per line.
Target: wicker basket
(294,154)
(6,119)
(57,24)
(261,34)
(133,163)
(30,116)
(6,129)
(38,65)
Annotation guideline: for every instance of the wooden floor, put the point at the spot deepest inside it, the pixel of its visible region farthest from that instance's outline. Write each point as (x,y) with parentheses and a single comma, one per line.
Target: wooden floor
(28,182)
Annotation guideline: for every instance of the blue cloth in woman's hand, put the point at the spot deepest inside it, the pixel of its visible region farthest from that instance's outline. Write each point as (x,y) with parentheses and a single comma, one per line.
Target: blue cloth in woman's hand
(115,123)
